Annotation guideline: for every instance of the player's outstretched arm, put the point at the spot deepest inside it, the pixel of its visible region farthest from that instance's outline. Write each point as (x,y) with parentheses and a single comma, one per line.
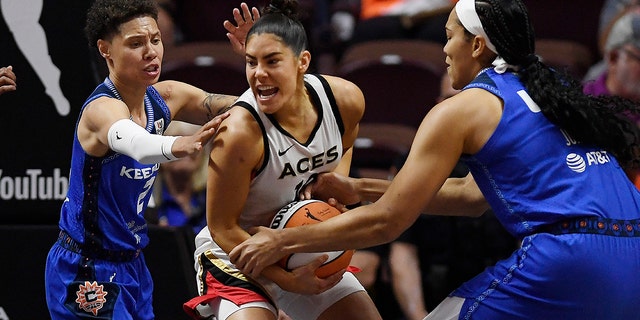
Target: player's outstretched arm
(237,33)
(345,190)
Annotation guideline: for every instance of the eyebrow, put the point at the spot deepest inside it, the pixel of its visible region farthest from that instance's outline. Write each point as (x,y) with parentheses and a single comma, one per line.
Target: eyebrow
(270,55)
(143,35)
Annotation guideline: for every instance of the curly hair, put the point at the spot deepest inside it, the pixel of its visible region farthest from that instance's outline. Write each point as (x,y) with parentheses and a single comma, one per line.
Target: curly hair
(603,121)
(105,17)
(280,18)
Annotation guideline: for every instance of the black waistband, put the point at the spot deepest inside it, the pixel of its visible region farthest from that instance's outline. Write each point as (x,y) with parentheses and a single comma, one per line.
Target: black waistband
(595,225)
(65,240)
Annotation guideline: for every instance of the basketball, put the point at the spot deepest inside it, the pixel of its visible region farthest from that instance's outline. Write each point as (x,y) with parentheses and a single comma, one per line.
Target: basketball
(299,213)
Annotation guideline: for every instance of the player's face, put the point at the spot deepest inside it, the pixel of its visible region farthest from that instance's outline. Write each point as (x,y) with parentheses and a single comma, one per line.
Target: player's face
(458,50)
(135,53)
(273,71)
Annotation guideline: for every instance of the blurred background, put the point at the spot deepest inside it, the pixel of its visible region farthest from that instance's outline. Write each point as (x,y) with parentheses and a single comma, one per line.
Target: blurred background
(392,51)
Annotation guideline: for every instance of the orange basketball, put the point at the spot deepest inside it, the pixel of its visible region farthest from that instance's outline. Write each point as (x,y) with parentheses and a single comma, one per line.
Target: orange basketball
(305,212)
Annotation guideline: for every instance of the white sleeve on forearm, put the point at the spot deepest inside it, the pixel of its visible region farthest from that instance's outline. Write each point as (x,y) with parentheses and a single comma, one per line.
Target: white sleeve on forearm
(126,137)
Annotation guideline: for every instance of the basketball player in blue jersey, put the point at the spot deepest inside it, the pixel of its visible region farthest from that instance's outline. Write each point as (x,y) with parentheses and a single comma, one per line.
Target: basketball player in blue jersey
(283,131)
(546,158)
(96,269)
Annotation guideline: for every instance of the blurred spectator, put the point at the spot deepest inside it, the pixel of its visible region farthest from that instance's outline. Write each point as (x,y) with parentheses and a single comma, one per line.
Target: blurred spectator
(402,19)
(171,34)
(611,11)
(621,75)
(356,21)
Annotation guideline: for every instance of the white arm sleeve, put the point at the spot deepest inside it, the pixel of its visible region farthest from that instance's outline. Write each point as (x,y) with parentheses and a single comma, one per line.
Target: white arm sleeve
(126,137)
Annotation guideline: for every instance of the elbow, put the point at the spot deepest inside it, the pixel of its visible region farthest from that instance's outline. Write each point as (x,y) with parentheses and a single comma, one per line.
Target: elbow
(388,228)
(478,207)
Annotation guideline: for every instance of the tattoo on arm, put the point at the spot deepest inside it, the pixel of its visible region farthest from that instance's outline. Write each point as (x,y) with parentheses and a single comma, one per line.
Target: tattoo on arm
(215,104)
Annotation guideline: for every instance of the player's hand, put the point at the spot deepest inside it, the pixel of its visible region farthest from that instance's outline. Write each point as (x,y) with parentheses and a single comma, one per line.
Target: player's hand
(333,188)
(7,80)
(190,145)
(305,280)
(257,252)
(237,33)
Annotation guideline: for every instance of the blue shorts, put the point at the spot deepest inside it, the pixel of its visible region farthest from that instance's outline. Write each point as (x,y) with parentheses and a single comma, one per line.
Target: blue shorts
(81,288)
(572,276)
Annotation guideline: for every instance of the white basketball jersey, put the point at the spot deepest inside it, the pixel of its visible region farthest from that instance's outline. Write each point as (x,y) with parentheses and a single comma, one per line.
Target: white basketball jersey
(290,164)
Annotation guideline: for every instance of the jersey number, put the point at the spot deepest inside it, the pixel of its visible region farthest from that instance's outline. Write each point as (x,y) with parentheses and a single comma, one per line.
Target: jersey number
(143,194)
(303,184)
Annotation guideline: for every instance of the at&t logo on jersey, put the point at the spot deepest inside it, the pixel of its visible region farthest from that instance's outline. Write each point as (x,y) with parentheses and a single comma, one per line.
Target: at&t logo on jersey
(578,164)
(91,297)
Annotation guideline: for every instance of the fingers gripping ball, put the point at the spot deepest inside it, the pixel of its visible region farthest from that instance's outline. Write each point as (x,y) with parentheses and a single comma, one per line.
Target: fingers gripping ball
(299,213)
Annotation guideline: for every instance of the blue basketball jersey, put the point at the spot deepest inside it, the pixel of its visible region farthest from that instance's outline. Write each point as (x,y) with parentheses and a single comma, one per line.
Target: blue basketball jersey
(532,173)
(106,202)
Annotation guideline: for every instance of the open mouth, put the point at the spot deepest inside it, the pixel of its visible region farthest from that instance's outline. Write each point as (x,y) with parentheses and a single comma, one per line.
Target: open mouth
(152,68)
(265,92)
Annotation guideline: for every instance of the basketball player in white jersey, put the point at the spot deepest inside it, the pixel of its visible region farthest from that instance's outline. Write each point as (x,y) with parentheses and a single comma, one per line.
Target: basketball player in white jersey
(287,128)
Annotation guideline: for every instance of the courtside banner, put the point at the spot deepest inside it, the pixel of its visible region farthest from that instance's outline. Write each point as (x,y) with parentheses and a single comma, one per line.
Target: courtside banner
(44,42)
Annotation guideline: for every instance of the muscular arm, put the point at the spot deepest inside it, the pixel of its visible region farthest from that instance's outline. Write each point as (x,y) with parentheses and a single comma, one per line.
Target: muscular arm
(105,124)
(236,153)
(191,104)
(439,142)
(96,120)
(350,101)
(458,196)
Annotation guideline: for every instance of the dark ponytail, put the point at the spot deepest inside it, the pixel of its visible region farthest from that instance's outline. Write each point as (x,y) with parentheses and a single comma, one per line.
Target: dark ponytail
(280,17)
(603,121)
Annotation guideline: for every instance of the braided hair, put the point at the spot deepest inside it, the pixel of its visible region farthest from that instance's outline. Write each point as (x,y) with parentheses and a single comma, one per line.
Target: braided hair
(280,18)
(603,121)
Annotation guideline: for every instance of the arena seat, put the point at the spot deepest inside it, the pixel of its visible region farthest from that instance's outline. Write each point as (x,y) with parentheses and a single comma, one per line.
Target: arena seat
(573,57)
(567,20)
(201,20)
(377,147)
(211,65)
(400,79)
